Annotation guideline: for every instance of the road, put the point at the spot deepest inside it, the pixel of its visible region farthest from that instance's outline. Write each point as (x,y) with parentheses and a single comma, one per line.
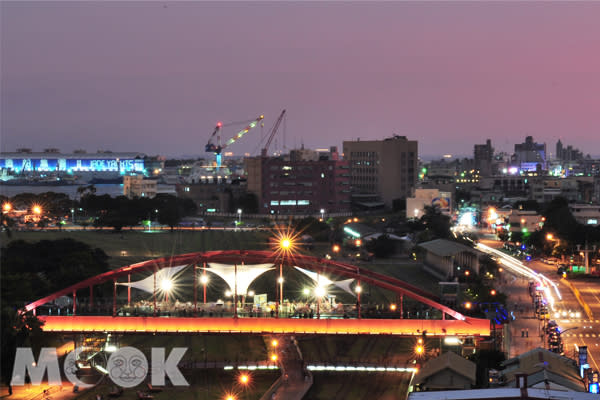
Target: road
(583,331)
(578,328)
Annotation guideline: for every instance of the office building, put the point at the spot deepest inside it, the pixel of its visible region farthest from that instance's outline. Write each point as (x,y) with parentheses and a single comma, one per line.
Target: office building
(385,169)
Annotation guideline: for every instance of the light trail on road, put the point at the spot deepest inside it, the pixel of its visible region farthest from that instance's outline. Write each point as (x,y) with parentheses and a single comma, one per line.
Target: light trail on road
(517,266)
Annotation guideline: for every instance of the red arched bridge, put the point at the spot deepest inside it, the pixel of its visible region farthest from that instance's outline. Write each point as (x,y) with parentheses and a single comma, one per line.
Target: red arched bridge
(456,324)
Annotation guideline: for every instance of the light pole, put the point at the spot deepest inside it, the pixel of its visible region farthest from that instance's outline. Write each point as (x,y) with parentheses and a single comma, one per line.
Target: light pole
(322,214)
(166,285)
(319,292)
(204,281)
(358,290)
(285,247)
(239,216)
(73,216)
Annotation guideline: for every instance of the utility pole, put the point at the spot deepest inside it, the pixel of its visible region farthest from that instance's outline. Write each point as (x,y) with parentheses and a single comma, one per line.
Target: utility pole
(586,254)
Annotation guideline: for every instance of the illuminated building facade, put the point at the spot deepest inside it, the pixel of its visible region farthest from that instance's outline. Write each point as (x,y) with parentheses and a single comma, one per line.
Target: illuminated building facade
(50,160)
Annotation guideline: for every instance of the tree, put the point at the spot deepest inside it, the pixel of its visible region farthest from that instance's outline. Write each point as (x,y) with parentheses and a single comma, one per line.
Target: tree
(247,202)
(436,222)
(399,205)
(34,270)
(528,205)
(172,209)
(382,246)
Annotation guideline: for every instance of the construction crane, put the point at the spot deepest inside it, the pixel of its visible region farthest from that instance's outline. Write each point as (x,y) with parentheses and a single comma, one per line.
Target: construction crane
(218,148)
(265,149)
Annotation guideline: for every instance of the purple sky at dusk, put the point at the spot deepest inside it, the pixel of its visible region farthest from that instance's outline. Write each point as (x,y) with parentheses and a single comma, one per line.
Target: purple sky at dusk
(155,77)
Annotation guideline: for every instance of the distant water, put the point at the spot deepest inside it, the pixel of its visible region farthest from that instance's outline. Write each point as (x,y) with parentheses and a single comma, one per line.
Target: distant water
(112,190)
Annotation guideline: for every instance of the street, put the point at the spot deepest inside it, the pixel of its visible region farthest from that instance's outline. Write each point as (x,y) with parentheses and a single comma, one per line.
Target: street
(569,314)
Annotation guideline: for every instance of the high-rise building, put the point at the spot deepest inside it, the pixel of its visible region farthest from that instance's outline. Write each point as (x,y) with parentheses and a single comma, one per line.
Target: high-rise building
(529,155)
(483,155)
(385,168)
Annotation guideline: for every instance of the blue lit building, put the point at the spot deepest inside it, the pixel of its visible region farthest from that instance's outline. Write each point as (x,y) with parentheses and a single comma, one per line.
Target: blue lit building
(25,163)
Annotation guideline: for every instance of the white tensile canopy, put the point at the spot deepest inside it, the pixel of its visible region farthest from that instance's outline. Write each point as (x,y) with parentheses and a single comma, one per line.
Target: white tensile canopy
(245,274)
(324,281)
(147,284)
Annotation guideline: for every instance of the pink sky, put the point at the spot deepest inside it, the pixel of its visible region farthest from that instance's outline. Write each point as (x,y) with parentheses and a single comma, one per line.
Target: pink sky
(155,77)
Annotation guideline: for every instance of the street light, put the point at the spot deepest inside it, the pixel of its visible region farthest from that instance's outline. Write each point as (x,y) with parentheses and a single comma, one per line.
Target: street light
(322,214)
(244,379)
(358,290)
(166,285)
(37,209)
(239,216)
(419,349)
(204,281)
(6,207)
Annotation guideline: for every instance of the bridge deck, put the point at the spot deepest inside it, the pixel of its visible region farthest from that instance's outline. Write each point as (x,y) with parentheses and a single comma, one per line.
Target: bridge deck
(407,327)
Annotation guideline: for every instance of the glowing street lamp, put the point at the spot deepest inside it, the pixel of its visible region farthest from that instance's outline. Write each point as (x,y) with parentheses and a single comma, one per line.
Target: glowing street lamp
(322,214)
(419,350)
(6,207)
(166,286)
(244,379)
(274,357)
(358,290)
(204,281)
(37,210)
(274,343)
(239,211)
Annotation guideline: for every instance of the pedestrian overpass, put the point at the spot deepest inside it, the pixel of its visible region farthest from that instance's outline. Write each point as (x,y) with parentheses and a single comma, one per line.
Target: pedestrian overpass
(451,323)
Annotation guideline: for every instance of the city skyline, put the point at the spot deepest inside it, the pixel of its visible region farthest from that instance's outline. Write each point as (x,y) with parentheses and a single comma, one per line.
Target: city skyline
(156,76)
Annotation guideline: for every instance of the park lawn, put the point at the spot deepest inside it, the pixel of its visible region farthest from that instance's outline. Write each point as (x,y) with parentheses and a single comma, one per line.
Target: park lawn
(205,384)
(358,386)
(130,247)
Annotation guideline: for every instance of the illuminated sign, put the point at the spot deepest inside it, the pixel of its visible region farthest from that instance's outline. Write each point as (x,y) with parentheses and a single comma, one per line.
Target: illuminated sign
(53,164)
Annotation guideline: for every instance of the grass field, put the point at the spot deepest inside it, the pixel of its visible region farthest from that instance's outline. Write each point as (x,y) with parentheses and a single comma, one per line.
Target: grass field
(130,247)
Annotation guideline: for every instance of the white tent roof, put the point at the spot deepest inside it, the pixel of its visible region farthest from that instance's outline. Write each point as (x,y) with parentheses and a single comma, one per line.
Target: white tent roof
(147,284)
(246,274)
(324,281)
